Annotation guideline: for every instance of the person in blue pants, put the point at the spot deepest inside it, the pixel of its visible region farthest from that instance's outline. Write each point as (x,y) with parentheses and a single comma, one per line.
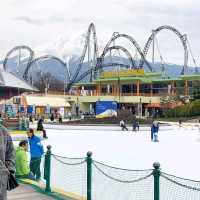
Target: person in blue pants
(36,151)
(154,131)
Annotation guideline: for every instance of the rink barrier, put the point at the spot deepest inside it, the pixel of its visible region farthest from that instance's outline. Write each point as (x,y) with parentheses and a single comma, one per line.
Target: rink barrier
(101,181)
(47,169)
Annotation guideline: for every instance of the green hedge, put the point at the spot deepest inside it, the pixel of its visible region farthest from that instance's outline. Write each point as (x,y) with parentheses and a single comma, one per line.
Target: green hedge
(188,110)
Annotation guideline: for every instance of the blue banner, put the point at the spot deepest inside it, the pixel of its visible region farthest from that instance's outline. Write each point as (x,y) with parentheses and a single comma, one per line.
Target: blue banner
(8,109)
(106,109)
(21,109)
(30,109)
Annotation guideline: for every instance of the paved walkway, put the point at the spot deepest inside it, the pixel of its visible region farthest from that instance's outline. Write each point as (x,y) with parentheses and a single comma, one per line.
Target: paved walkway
(26,192)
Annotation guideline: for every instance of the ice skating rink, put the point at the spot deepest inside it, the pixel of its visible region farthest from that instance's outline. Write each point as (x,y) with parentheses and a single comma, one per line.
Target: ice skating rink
(177,150)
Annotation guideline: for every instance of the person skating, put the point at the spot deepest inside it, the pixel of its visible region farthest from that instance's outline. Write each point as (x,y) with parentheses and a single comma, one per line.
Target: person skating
(22,168)
(180,122)
(36,151)
(136,126)
(154,131)
(40,127)
(123,125)
(40,124)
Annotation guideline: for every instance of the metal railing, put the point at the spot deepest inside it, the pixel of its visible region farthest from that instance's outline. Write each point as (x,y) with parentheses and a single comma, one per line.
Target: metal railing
(151,184)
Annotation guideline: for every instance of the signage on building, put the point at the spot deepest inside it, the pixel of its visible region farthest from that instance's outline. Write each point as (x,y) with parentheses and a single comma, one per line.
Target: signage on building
(123,73)
(31,109)
(21,109)
(8,109)
(106,109)
(16,100)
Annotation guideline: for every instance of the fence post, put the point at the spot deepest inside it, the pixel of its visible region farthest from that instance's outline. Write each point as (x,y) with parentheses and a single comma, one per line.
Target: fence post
(47,169)
(89,175)
(156,174)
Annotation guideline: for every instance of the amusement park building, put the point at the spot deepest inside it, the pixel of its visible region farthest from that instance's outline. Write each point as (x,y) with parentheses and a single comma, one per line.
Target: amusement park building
(133,89)
(11,86)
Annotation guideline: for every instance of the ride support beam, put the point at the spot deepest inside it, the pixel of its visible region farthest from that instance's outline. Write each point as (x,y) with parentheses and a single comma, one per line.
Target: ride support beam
(151,90)
(186,87)
(138,88)
(118,89)
(113,90)
(98,88)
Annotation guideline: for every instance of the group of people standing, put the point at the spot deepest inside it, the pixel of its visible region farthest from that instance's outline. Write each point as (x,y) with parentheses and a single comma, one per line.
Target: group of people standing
(32,170)
(59,116)
(136,127)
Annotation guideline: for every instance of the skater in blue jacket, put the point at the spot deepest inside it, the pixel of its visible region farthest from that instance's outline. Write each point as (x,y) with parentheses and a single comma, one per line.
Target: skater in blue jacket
(154,131)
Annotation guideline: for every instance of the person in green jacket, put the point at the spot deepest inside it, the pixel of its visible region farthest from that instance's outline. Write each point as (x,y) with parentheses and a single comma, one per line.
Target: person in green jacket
(22,165)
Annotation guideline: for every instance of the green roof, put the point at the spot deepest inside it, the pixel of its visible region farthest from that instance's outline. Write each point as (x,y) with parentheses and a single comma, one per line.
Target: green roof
(107,79)
(166,80)
(84,84)
(190,77)
(151,77)
(152,74)
(141,79)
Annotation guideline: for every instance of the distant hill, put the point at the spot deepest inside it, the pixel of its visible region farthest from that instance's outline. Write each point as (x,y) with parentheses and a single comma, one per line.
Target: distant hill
(56,69)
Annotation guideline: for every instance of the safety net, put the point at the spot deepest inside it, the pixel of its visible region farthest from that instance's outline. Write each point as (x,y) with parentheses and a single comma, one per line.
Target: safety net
(111,183)
(69,174)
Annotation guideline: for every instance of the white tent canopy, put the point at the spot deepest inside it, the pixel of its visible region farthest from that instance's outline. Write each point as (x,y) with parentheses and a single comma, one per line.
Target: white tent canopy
(47,101)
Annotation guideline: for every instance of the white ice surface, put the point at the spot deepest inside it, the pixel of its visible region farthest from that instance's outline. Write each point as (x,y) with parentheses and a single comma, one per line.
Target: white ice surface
(177,150)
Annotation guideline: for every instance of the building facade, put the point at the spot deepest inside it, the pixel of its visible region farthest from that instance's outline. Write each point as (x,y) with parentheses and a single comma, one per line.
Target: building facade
(142,93)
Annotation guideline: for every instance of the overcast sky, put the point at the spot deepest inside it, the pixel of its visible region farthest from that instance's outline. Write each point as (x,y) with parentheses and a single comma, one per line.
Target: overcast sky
(58,26)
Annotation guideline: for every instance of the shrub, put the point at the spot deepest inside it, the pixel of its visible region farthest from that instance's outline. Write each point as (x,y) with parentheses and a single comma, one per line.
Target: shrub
(187,110)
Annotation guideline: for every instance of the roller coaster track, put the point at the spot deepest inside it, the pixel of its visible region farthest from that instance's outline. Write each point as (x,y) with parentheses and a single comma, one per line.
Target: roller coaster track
(86,46)
(135,44)
(90,71)
(31,55)
(132,63)
(174,30)
(100,60)
(96,61)
(25,75)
